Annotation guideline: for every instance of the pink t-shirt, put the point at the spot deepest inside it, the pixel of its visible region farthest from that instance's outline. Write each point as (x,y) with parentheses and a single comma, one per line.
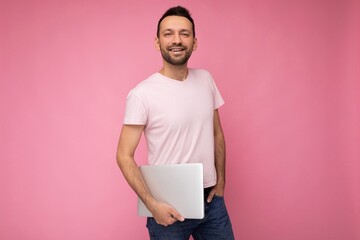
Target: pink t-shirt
(179,119)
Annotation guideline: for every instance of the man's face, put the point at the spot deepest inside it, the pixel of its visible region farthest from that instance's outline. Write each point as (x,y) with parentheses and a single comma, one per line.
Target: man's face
(176,40)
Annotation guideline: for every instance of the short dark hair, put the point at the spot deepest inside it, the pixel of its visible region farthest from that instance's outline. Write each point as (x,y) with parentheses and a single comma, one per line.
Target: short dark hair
(176,11)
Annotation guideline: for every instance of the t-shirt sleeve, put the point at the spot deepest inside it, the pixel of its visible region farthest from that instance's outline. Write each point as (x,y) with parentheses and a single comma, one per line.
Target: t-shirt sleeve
(218,100)
(135,112)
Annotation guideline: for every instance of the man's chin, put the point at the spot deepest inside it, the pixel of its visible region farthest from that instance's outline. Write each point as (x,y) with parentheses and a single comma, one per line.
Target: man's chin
(176,62)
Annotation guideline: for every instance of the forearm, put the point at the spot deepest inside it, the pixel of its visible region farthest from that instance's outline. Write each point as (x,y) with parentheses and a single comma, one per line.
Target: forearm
(219,154)
(134,178)
(129,139)
(220,158)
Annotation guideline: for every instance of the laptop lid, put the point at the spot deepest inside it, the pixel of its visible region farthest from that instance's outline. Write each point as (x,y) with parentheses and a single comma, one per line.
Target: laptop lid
(179,185)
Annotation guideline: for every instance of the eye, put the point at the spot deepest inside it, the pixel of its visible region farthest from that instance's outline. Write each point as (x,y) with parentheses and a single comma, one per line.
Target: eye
(185,34)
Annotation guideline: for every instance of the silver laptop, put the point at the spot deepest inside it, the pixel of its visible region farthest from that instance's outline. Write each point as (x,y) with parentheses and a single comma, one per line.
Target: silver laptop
(179,185)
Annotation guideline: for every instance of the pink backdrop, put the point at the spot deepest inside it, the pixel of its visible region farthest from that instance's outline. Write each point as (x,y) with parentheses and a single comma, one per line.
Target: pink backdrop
(288,70)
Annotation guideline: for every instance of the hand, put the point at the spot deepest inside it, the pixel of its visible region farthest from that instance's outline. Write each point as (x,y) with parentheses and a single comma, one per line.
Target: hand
(217,190)
(165,215)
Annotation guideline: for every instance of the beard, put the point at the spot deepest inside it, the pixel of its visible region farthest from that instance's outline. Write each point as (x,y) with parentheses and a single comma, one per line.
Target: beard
(176,61)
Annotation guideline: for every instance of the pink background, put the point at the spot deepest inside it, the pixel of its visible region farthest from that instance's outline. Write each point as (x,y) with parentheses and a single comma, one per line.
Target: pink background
(288,70)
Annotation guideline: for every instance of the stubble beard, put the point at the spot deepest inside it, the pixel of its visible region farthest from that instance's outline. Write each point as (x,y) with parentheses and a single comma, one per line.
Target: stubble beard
(175,61)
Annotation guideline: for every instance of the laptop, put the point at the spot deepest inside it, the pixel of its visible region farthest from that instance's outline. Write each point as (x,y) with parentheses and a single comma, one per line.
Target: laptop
(179,185)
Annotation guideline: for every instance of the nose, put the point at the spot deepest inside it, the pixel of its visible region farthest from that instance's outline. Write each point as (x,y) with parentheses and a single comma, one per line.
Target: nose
(176,38)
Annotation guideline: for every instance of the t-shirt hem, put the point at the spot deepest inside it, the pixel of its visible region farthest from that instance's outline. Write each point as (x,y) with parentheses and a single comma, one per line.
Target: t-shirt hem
(219,105)
(210,184)
(133,123)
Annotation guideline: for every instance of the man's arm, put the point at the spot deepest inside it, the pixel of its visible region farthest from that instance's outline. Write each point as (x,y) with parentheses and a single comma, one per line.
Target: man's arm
(220,157)
(129,139)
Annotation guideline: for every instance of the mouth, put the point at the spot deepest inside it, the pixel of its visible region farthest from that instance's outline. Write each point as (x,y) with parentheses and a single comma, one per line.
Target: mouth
(176,49)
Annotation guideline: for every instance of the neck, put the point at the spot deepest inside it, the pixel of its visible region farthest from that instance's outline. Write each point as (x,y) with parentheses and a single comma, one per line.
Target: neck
(174,72)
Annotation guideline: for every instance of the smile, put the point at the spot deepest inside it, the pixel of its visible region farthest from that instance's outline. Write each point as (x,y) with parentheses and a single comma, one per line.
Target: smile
(177,49)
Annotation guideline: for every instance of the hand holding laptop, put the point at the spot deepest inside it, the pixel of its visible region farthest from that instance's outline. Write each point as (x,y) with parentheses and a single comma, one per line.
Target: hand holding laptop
(177,189)
(166,215)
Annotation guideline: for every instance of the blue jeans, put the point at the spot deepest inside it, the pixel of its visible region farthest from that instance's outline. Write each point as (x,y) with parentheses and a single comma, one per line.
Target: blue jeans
(215,225)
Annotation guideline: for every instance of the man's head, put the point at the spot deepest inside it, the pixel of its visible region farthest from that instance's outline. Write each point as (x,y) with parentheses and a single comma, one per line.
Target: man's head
(176,11)
(175,36)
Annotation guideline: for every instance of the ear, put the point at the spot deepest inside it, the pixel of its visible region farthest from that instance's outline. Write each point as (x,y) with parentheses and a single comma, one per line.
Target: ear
(157,43)
(195,44)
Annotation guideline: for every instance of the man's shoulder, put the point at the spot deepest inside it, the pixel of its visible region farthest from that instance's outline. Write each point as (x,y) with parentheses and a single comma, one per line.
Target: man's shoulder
(145,84)
(201,75)
(199,71)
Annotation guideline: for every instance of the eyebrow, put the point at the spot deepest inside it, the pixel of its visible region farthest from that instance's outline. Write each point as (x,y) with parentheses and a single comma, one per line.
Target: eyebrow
(181,30)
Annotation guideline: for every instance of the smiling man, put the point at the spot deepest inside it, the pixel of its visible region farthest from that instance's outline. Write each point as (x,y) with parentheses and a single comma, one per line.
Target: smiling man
(176,38)
(177,109)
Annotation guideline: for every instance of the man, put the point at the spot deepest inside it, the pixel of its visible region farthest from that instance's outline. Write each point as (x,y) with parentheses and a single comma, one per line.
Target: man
(176,108)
